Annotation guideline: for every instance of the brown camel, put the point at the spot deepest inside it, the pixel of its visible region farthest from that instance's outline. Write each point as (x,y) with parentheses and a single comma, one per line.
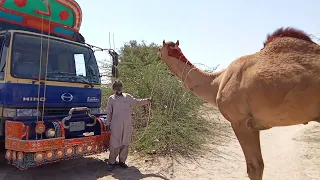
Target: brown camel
(276,86)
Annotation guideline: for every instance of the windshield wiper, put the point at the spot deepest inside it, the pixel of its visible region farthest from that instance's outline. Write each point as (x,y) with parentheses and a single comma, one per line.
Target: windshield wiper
(84,80)
(71,76)
(61,73)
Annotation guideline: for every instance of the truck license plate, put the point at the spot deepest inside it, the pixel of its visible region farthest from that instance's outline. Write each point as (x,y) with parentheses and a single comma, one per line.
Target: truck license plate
(77,126)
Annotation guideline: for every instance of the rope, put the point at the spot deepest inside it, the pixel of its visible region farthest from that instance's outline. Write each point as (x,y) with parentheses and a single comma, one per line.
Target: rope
(46,73)
(183,81)
(40,72)
(39,77)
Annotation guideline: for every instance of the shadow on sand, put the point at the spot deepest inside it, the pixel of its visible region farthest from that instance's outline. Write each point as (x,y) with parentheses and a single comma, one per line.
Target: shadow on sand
(78,169)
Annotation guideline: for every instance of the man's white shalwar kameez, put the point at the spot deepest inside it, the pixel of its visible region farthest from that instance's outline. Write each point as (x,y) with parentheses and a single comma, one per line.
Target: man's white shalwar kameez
(119,115)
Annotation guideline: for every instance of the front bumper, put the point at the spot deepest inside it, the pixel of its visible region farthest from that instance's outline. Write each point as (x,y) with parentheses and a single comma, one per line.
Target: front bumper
(28,144)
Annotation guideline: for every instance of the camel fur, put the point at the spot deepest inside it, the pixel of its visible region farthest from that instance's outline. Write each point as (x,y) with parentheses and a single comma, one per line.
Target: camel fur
(276,86)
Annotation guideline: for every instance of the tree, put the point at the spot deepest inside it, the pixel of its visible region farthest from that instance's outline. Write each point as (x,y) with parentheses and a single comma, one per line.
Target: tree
(174,124)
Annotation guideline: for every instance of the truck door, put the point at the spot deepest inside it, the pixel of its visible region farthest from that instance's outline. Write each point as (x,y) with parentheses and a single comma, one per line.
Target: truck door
(4,45)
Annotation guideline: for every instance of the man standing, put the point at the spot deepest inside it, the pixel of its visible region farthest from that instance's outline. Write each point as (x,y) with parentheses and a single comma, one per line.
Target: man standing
(119,115)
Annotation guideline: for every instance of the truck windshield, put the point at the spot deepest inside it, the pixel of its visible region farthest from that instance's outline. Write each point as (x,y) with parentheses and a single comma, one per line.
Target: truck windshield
(68,62)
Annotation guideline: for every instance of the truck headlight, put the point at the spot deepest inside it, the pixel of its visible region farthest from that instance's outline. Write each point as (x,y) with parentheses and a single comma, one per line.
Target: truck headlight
(8,112)
(28,112)
(95,110)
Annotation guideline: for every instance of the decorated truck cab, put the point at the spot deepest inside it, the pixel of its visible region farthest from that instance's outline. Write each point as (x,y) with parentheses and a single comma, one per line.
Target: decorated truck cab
(50,83)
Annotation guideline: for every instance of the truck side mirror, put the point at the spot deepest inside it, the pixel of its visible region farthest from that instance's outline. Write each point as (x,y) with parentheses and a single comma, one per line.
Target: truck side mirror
(115,71)
(115,63)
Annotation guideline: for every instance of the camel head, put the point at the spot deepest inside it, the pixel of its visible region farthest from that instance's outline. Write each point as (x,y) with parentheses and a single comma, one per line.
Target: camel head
(171,51)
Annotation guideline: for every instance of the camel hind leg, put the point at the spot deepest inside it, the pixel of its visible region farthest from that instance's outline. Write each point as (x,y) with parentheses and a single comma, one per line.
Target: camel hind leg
(250,144)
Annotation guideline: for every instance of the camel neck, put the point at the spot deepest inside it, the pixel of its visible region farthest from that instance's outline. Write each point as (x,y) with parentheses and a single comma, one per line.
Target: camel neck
(200,83)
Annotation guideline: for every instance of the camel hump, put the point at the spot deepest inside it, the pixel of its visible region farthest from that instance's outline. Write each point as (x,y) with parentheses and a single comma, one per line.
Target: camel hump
(287,32)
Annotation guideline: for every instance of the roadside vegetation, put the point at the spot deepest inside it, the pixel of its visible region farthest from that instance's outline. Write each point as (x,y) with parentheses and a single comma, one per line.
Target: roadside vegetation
(174,124)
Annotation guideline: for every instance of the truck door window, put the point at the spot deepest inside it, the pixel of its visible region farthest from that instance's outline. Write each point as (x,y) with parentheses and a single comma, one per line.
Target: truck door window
(3,55)
(80,65)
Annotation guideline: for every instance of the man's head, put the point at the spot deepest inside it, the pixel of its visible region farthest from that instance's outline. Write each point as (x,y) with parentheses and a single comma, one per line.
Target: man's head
(117,87)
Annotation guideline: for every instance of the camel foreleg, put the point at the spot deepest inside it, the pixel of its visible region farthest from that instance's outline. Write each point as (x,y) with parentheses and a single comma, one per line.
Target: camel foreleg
(250,144)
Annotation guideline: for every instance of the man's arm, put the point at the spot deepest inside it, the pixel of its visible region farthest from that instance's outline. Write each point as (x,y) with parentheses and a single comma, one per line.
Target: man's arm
(138,102)
(109,110)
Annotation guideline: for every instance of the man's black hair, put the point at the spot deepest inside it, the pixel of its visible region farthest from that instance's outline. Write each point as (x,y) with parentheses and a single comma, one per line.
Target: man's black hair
(117,83)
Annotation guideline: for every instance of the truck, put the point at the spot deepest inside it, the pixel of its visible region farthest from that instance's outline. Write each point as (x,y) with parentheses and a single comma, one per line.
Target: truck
(50,85)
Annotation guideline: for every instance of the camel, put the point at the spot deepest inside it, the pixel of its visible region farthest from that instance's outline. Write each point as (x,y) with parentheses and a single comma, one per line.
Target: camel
(276,86)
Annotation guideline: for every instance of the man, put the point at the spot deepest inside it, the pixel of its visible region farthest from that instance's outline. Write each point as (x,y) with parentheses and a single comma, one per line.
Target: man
(119,115)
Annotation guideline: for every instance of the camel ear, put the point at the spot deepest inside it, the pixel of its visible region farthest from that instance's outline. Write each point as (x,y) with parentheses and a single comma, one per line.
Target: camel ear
(163,42)
(177,43)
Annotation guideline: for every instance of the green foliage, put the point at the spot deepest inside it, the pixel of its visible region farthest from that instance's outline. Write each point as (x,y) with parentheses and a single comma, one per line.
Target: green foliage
(175,125)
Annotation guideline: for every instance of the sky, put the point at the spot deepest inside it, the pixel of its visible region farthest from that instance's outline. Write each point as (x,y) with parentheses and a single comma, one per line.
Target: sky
(210,32)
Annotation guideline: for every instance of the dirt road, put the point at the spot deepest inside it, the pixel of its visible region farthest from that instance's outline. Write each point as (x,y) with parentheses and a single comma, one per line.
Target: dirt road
(289,153)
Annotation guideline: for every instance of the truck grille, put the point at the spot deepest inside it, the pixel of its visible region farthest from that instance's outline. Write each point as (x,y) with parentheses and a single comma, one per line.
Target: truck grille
(58,111)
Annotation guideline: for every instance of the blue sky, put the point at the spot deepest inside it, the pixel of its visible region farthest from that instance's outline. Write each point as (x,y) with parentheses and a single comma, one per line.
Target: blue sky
(210,32)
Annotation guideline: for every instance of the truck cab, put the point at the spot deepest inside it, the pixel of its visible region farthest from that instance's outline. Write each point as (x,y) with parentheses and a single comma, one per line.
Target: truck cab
(50,85)
(46,76)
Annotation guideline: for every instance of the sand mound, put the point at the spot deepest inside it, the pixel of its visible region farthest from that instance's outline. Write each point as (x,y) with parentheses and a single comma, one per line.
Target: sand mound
(309,133)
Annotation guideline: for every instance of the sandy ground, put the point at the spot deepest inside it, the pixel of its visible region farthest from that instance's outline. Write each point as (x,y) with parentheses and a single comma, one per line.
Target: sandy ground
(290,153)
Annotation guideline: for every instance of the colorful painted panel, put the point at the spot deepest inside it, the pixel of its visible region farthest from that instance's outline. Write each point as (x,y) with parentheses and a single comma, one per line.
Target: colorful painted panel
(24,154)
(49,144)
(15,129)
(33,145)
(61,17)
(25,160)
